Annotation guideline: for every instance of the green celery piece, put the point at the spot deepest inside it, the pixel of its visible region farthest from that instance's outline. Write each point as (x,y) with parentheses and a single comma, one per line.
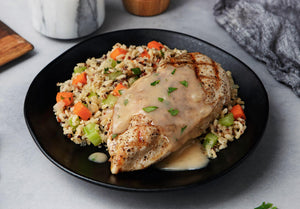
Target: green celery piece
(114,75)
(92,133)
(113,63)
(92,94)
(75,123)
(210,140)
(78,69)
(110,100)
(227,120)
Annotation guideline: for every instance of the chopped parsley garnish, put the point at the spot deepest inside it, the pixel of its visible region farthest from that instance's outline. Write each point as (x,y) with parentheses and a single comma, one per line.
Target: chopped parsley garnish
(162,53)
(125,102)
(106,70)
(183,128)
(118,62)
(150,108)
(266,206)
(160,99)
(62,98)
(173,72)
(171,89)
(155,82)
(120,91)
(173,111)
(114,136)
(185,83)
(136,71)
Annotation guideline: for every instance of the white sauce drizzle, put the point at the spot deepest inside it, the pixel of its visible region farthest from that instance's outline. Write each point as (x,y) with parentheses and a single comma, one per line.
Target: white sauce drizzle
(188,100)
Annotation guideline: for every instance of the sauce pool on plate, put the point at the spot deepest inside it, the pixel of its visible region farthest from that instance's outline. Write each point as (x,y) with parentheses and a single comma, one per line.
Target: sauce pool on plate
(190,157)
(98,157)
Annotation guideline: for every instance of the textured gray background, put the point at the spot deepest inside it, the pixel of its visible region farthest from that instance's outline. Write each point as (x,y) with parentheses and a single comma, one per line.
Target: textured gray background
(29,180)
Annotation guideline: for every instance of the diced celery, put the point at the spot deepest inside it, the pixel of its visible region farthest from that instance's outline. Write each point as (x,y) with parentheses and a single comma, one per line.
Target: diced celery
(91,131)
(210,140)
(92,94)
(114,75)
(74,122)
(78,69)
(227,120)
(110,100)
(113,63)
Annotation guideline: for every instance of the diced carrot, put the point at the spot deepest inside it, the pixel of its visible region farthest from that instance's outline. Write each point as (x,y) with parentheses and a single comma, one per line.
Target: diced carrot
(145,54)
(82,111)
(155,45)
(119,87)
(66,97)
(238,112)
(116,52)
(81,78)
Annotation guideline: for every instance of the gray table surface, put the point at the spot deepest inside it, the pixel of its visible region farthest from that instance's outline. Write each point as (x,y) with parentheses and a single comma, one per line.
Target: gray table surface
(29,180)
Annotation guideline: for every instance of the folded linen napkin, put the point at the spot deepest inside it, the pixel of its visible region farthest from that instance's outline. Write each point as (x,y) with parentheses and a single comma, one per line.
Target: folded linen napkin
(269,30)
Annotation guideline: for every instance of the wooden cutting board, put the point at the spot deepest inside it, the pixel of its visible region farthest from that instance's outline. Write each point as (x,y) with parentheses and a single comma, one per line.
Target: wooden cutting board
(12,45)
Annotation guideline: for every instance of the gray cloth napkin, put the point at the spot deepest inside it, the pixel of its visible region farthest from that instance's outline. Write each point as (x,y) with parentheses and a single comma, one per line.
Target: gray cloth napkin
(269,30)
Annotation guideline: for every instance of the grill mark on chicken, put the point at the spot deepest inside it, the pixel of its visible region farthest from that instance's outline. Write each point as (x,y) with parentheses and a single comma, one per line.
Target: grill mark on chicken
(190,59)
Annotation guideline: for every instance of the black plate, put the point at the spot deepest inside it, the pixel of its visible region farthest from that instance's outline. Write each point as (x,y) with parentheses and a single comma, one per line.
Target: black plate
(73,159)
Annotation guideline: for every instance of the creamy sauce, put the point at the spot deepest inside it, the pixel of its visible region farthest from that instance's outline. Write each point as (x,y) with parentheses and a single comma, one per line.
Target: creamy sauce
(190,157)
(98,157)
(187,99)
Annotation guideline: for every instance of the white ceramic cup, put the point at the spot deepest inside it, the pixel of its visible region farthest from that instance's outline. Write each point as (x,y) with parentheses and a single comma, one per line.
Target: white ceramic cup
(67,19)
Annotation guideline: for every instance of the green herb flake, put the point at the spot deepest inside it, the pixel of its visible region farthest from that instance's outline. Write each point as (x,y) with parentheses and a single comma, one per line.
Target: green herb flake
(173,111)
(171,89)
(125,102)
(62,98)
(136,71)
(185,83)
(266,206)
(120,91)
(106,70)
(162,53)
(150,108)
(160,99)
(183,128)
(118,62)
(173,72)
(114,136)
(155,82)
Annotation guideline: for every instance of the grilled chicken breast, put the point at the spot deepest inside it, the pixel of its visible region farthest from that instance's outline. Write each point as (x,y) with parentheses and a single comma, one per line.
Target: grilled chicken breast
(162,111)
